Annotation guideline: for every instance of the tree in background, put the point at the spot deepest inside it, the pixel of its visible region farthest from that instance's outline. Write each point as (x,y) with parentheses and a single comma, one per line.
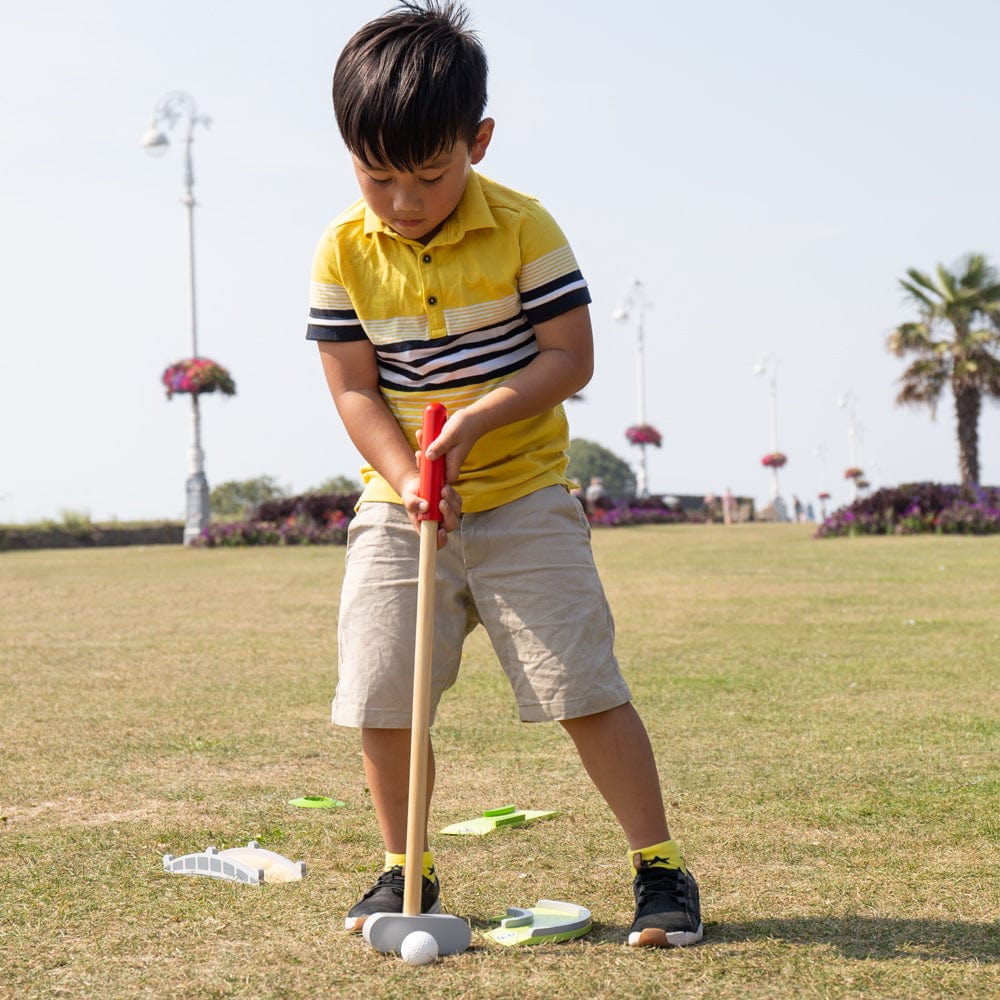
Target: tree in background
(957,343)
(338,484)
(237,498)
(588,459)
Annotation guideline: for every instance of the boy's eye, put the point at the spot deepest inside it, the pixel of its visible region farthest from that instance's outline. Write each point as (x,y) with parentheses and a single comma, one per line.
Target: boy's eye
(379,181)
(431,180)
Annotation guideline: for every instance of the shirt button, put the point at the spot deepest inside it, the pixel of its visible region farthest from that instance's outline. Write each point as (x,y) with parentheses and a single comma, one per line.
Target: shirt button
(432,300)
(427,258)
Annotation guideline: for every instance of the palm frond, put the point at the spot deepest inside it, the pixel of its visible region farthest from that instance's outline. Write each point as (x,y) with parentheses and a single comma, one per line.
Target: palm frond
(977,272)
(922,384)
(918,288)
(909,337)
(989,377)
(990,299)
(948,282)
(984,338)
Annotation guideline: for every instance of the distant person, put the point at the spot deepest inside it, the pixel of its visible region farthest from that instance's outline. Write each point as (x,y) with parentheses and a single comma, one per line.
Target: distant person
(728,506)
(441,285)
(798,508)
(709,503)
(595,493)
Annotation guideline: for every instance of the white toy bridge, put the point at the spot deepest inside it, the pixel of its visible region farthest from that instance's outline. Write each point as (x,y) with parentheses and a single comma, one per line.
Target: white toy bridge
(250,865)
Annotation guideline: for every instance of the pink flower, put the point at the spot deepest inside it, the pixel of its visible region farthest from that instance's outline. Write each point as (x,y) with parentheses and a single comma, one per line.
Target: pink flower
(197,375)
(644,434)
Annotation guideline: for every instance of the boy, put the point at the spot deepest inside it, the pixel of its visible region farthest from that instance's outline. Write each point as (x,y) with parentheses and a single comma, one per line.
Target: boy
(441,285)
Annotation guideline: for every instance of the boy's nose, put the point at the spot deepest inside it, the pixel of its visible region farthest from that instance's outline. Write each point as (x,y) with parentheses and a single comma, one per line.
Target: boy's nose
(407,199)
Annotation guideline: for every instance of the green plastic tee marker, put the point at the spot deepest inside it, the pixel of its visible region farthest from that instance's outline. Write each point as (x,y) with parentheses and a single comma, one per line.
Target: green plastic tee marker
(317,802)
(547,922)
(497,819)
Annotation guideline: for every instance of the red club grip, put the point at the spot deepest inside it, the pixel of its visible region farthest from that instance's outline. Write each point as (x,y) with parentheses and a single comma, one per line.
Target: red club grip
(431,473)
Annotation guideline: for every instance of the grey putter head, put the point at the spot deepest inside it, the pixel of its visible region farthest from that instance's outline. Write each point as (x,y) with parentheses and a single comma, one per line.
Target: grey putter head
(385,931)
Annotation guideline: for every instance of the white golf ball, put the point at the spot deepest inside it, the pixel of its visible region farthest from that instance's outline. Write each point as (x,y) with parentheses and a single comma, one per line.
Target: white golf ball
(419,948)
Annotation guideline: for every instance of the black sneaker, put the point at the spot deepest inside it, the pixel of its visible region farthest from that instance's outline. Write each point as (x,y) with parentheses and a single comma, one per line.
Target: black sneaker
(667,910)
(386,896)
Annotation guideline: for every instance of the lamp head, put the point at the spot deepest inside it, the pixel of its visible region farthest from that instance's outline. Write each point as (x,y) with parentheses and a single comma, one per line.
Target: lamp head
(154,141)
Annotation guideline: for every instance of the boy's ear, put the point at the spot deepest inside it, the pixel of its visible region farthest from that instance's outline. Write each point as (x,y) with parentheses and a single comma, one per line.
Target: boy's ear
(483,135)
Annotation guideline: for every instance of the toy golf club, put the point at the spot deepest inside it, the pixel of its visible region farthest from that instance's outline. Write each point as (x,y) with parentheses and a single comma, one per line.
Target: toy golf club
(385,932)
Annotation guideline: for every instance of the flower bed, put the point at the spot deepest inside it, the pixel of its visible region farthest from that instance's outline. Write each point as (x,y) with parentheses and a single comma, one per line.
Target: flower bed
(916,508)
(310,519)
(322,519)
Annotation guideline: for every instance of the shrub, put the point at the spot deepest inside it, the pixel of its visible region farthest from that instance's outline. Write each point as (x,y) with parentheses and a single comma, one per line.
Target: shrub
(649,510)
(915,508)
(322,519)
(311,519)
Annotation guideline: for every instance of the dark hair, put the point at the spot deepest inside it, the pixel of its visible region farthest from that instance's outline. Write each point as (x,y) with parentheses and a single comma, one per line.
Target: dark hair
(410,84)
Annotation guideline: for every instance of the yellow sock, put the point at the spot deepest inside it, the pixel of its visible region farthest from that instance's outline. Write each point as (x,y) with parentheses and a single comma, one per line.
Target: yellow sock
(664,855)
(399,861)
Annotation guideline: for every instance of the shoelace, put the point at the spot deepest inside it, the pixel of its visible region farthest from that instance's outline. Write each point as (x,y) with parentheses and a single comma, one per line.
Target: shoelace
(392,879)
(669,884)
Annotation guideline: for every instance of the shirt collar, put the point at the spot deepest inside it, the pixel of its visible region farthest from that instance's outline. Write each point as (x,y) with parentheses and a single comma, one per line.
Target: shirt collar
(472,212)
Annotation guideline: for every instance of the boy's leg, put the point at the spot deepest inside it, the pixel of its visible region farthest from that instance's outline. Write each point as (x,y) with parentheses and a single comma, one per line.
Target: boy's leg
(386,755)
(615,750)
(532,574)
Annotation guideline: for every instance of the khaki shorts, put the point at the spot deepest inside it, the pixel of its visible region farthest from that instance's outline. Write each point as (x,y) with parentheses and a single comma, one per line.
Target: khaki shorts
(525,571)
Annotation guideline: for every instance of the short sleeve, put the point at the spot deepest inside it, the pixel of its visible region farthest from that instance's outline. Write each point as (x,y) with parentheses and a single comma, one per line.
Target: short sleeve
(550,282)
(331,313)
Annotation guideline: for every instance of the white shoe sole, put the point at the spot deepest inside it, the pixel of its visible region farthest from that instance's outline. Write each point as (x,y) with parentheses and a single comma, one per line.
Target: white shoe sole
(653,937)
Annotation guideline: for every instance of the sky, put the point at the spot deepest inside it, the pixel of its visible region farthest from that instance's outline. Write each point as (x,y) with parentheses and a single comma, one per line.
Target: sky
(767,171)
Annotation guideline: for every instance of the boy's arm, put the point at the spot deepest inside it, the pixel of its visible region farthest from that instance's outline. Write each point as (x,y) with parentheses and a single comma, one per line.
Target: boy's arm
(352,376)
(562,367)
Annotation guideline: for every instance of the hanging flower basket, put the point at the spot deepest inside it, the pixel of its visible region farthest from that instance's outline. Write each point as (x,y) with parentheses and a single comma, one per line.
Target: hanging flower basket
(197,375)
(775,460)
(644,434)
(853,473)
(824,495)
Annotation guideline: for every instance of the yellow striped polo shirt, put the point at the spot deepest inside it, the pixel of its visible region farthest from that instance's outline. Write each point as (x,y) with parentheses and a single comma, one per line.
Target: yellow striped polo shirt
(453,319)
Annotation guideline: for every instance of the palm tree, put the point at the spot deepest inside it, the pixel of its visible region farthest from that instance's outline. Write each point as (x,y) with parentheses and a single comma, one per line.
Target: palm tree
(957,343)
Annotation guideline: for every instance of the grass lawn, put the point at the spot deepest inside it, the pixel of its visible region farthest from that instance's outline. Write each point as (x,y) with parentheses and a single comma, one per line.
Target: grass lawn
(826,716)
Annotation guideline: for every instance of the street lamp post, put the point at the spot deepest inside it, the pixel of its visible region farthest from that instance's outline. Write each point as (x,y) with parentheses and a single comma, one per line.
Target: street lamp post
(171,109)
(768,367)
(847,402)
(635,303)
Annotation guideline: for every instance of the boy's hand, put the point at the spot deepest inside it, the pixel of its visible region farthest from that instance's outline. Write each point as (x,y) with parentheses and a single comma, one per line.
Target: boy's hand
(450,505)
(459,434)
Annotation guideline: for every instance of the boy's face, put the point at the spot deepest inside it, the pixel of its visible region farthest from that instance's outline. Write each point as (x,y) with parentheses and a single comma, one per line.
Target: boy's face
(415,203)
